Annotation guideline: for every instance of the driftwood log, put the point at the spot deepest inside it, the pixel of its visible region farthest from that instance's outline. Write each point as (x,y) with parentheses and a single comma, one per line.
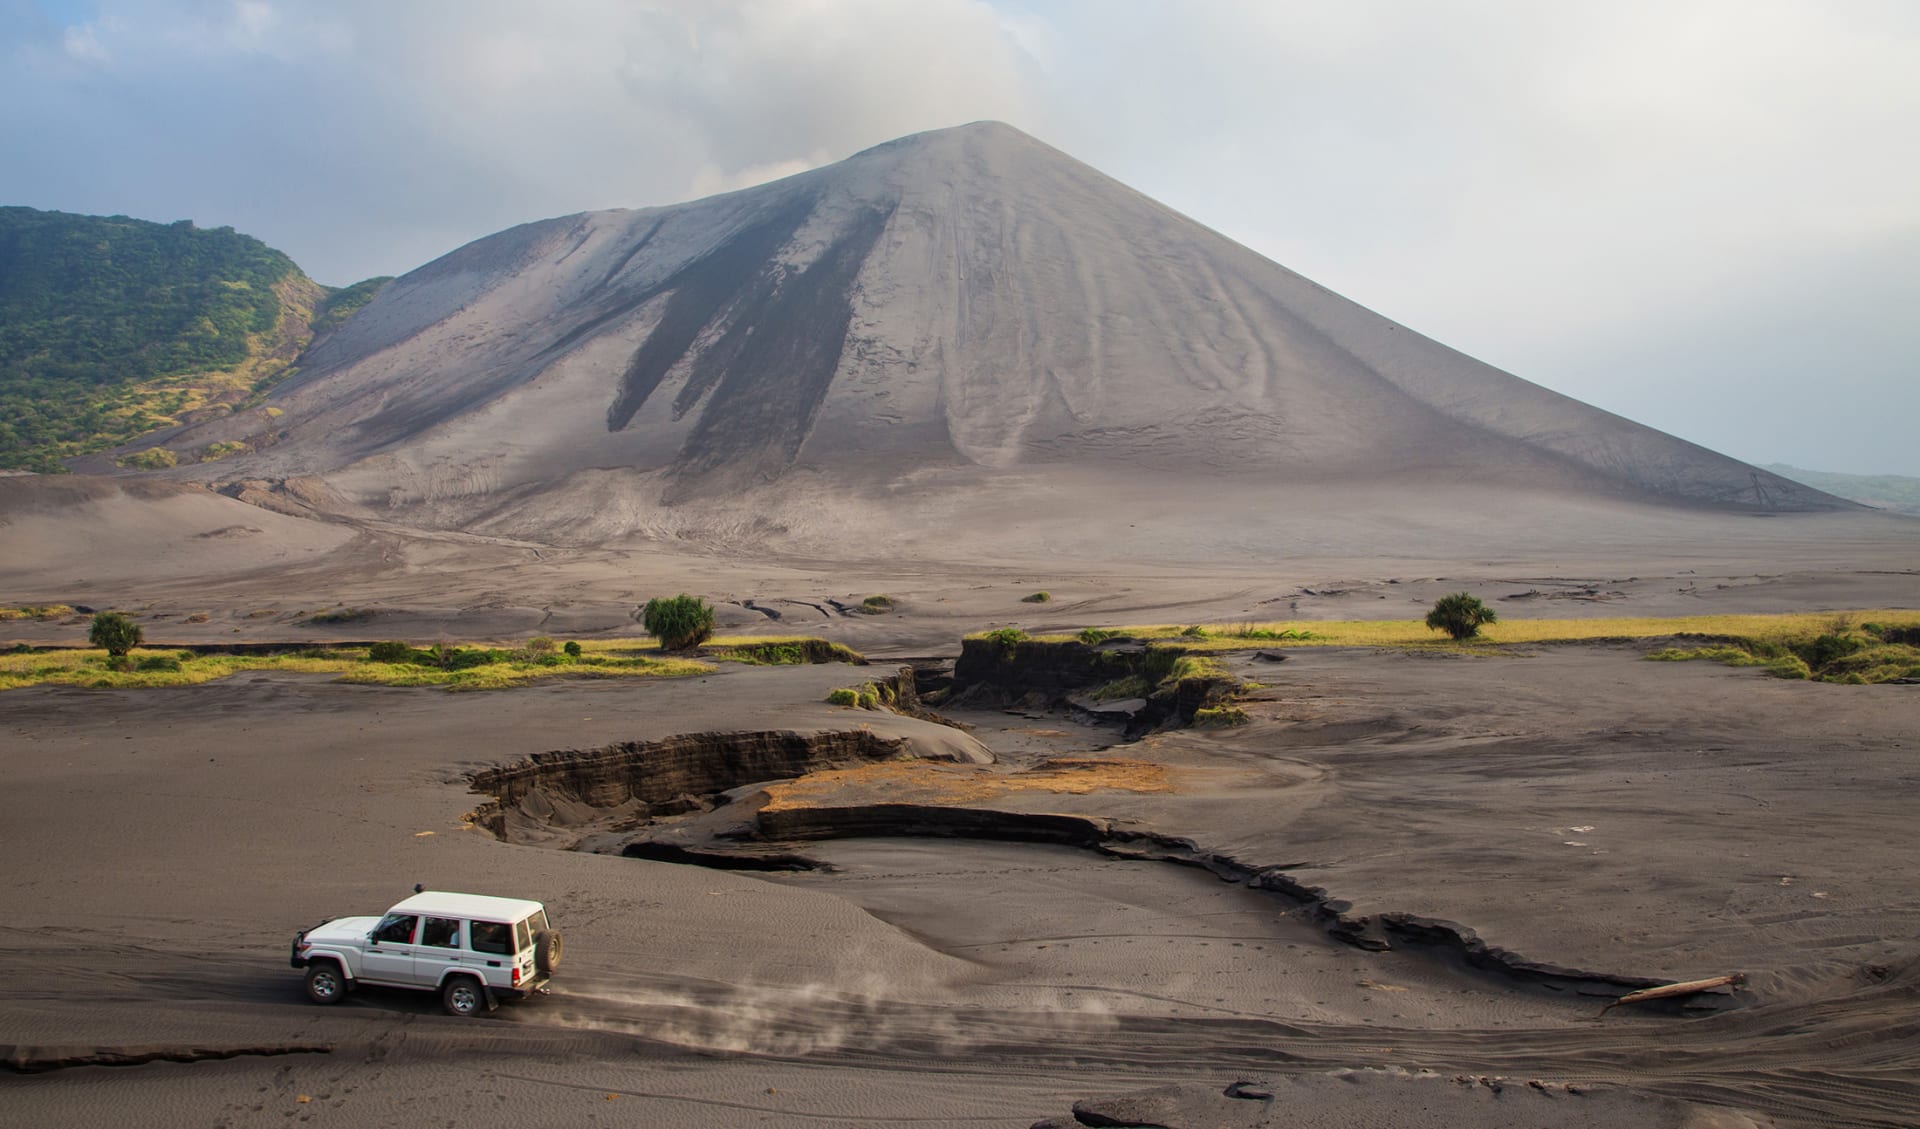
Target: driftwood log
(1684,988)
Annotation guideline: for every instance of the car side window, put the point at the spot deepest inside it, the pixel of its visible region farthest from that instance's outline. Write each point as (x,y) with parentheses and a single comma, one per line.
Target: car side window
(396,928)
(521,935)
(491,937)
(443,932)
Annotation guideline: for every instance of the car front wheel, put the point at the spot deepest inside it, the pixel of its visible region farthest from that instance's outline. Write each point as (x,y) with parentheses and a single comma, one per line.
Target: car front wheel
(463,997)
(325,984)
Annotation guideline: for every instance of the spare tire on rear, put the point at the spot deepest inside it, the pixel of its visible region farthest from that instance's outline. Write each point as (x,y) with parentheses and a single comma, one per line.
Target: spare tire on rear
(546,950)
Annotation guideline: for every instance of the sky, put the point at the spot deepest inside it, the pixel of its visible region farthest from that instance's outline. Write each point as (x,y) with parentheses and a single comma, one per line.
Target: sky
(1701,215)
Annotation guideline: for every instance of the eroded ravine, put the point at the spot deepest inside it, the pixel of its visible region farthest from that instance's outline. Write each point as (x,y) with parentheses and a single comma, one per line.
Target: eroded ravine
(687,799)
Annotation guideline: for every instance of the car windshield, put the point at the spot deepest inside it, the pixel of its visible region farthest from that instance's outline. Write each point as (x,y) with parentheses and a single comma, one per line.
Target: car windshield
(396,928)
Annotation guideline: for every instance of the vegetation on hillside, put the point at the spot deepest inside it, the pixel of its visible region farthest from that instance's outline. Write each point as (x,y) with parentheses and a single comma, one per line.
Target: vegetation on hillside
(111,327)
(341,304)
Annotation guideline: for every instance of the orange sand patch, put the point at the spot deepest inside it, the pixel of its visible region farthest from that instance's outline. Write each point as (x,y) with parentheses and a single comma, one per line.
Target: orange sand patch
(937,782)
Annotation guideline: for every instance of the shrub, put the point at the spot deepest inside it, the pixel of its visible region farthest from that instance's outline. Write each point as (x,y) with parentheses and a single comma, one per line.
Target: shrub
(153,458)
(1194,632)
(158,662)
(1789,666)
(1219,717)
(115,632)
(1131,686)
(1248,631)
(391,651)
(36,611)
(540,646)
(461,658)
(1006,638)
(843,696)
(1094,636)
(1460,615)
(572,649)
(874,605)
(1036,598)
(1826,649)
(679,622)
(342,615)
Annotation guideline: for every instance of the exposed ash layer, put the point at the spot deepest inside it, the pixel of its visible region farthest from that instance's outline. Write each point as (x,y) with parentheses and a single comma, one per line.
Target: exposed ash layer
(1051,674)
(631,779)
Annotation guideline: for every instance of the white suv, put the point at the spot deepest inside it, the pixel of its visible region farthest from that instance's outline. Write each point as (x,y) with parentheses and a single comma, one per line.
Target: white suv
(471,948)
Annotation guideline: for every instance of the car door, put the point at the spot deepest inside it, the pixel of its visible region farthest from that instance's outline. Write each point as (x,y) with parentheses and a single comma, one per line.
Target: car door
(390,948)
(439,949)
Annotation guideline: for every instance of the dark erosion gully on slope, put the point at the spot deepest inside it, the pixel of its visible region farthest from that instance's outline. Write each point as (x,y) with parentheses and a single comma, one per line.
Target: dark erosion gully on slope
(626,781)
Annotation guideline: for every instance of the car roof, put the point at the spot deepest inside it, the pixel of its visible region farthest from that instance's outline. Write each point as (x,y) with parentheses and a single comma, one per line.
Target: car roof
(468,905)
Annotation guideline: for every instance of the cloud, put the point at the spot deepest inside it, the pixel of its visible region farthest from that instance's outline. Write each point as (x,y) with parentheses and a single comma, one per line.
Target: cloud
(365,136)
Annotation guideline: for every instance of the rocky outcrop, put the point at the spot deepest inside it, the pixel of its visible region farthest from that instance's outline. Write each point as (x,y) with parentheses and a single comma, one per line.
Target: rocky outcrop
(1059,673)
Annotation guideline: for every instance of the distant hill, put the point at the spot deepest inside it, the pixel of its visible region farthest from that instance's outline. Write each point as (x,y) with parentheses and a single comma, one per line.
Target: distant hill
(1886,491)
(111,327)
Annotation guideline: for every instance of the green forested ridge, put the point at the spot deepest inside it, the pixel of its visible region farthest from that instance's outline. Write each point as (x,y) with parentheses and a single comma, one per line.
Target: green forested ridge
(111,327)
(342,303)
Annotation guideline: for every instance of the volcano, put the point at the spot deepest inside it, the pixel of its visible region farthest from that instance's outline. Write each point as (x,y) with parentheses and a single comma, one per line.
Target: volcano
(965,321)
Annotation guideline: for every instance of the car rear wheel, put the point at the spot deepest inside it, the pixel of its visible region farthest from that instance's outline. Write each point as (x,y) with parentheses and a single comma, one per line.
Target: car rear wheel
(546,950)
(325,982)
(464,997)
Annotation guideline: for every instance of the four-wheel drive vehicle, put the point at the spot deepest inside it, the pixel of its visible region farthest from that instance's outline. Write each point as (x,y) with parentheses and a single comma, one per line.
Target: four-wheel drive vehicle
(471,948)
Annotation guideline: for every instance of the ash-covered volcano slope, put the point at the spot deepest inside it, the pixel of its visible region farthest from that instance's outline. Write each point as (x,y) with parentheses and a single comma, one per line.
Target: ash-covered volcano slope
(962,311)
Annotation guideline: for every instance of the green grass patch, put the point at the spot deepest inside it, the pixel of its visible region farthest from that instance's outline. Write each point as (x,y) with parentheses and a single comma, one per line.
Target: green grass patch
(1720,653)
(494,670)
(1219,717)
(1835,651)
(1132,686)
(36,611)
(1413,633)
(1037,598)
(865,696)
(797,651)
